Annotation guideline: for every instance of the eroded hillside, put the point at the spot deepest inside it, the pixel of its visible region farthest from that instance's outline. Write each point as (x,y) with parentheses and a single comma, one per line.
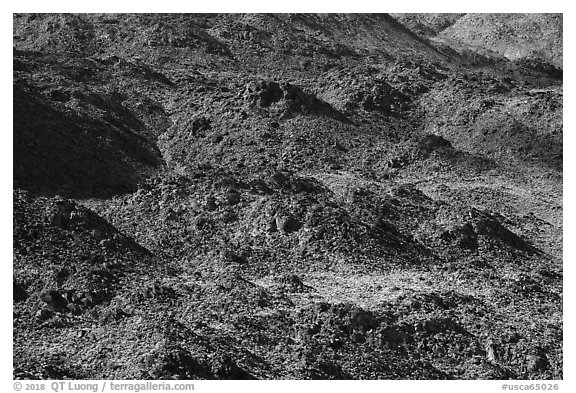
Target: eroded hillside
(284,196)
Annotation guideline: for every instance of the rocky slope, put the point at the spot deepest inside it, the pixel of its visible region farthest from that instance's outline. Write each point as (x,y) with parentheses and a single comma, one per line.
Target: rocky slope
(428,25)
(514,36)
(284,196)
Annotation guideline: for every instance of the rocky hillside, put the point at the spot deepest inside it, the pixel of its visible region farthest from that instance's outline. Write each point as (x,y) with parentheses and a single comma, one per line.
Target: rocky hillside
(428,25)
(232,196)
(514,36)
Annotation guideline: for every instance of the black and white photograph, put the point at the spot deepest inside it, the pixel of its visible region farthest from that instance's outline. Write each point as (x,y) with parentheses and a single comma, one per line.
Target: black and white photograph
(287,196)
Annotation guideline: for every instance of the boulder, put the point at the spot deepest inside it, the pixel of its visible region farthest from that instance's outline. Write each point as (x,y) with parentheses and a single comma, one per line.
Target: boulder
(54,300)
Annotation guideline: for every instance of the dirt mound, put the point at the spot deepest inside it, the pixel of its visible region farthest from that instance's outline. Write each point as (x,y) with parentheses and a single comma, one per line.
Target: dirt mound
(92,267)
(290,99)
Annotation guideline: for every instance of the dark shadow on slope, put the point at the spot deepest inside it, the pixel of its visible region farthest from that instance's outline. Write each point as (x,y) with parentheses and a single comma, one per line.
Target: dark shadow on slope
(75,155)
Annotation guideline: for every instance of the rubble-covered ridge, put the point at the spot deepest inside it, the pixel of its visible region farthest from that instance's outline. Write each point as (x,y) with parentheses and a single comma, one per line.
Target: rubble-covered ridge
(287,196)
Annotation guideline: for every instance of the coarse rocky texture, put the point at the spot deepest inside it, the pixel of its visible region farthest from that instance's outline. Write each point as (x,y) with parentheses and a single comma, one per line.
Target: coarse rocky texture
(287,196)
(511,35)
(515,36)
(428,25)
